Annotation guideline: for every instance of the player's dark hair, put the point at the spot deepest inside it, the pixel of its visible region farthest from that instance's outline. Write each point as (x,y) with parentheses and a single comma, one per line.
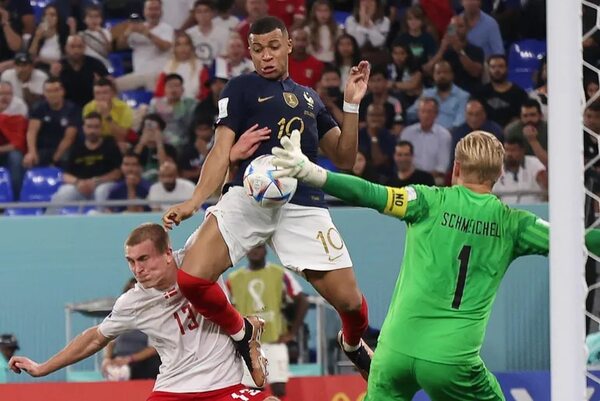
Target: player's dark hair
(92,115)
(497,57)
(149,231)
(515,140)
(173,76)
(266,25)
(529,103)
(406,143)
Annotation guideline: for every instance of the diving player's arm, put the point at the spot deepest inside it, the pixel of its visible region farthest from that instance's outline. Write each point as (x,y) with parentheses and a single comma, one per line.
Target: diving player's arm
(86,344)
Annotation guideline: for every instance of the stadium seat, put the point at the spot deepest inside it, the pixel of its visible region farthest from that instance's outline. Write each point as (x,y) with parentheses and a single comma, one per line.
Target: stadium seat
(340,17)
(39,185)
(523,60)
(38,8)
(136,98)
(6,193)
(116,61)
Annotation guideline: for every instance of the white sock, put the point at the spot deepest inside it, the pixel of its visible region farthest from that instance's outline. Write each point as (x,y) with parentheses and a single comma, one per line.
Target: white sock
(239,336)
(348,347)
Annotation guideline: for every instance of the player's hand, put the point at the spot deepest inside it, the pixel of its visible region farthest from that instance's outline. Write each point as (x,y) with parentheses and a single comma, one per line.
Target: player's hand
(178,213)
(249,142)
(21,363)
(356,85)
(294,163)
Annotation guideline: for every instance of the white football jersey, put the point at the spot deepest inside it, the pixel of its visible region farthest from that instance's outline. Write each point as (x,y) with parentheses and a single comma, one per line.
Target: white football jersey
(196,354)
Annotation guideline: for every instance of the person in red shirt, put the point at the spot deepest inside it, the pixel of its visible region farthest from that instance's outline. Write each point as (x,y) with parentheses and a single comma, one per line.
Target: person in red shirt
(256,9)
(304,68)
(291,12)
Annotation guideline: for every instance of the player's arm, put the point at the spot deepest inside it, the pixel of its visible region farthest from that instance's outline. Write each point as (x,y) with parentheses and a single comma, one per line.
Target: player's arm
(86,344)
(340,146)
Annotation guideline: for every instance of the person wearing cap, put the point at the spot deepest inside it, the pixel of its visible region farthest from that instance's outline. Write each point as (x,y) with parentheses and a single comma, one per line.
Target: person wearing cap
(17,22)
(27,81)
(8,346)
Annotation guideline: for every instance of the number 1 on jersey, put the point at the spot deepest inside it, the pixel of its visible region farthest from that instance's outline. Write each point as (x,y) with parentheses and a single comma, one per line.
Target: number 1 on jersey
(463,257)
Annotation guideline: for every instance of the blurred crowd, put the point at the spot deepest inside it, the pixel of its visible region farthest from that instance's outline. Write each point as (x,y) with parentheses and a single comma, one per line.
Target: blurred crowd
(122,96)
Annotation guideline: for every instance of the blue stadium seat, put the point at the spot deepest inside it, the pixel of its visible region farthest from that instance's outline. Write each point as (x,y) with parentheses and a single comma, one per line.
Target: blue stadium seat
(116,61)
(38,8)
(340,16)
(6,193)
(136,98)
(523,60)
(39,185)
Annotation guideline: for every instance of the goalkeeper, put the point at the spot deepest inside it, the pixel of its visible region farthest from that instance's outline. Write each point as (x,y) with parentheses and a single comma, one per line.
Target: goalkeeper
(459,244)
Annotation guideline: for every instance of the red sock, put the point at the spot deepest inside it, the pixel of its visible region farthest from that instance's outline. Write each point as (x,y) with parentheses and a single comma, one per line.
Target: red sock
(210,301)
(355,323)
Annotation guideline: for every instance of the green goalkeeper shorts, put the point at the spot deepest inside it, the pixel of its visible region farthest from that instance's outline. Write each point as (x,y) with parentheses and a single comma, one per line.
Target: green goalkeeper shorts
(396,376)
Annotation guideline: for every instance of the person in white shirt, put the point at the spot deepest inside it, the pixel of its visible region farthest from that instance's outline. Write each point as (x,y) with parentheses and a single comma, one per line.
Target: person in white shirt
(524,179)
(151,42)
(27,82)
(224,15)
(178,13)
(209,38)
(234,62)
(98,40)
(170,189)
(197,356)
(11,105)
(368,24)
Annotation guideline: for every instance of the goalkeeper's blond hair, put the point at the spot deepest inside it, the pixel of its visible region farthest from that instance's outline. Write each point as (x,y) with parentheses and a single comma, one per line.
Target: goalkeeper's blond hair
(481,156)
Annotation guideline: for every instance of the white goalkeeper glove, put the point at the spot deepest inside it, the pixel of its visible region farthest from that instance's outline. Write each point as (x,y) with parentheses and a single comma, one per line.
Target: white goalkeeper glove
(294,163)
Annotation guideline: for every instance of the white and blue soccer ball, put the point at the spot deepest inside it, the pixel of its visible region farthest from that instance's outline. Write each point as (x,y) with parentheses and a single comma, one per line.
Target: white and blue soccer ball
(266,190)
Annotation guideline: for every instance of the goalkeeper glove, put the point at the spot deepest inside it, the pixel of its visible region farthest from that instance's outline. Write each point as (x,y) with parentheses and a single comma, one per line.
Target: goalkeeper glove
(295,164)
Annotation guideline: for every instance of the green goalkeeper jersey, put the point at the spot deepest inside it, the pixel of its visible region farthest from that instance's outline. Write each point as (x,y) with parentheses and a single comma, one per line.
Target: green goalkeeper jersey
(459,245)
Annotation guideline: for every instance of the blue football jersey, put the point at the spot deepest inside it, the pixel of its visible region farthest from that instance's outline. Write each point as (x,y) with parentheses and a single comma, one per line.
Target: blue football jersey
(282,106)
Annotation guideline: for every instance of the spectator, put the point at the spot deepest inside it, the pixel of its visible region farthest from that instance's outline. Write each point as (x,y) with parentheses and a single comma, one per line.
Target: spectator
(209,39)
(347,55)
(185,64)
(131,349)
(255,10)
(13,127)
(131,187)
(98,40)
(225,17)
(27,82)
(502,98)
(362,168)
(75,9)
(322,30)
(405,76)
(422,45)
(151,147)
(179,14)
(540,93)
(291,12)
(53,126)
(117,116)
(234,62)
(303,67)
(93,166)
(524,178)
(405,171)
(375,141)
(476,120)
(450,98)
(264,289)
(378,93)
(169,189)
(532,127)
(192,157)
(465,58)
(176,110)
(368,25)
(50,37)
(431,141)
(208,109)
(151,42)
(591,88)
(78,72)
(8,347)
(329,91)
(483,29)
(16,20)
(591,123)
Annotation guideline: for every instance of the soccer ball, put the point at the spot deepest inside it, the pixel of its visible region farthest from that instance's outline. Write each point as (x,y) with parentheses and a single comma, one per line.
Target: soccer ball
(263,188)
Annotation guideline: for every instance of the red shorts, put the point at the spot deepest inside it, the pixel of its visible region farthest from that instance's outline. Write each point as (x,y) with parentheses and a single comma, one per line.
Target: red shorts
(238,392)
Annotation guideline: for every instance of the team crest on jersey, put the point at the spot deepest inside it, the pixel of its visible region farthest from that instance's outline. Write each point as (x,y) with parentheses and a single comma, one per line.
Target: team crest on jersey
(290,99)
(309,100)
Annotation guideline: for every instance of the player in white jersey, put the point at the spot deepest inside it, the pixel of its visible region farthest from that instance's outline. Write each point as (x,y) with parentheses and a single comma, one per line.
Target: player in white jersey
(199,361)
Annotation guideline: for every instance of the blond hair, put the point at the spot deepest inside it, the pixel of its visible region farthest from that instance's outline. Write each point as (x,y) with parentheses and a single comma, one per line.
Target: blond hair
(149,231)
(481,156)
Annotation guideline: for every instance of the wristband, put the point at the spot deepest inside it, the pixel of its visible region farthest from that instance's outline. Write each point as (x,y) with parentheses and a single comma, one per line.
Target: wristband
(350,107)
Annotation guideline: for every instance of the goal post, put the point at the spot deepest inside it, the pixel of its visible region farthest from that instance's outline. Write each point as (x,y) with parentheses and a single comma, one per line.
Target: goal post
(566,205)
